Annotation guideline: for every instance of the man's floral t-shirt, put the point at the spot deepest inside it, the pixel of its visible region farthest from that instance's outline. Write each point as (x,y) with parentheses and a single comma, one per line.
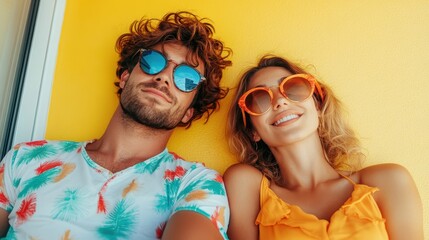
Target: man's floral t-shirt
(53,190)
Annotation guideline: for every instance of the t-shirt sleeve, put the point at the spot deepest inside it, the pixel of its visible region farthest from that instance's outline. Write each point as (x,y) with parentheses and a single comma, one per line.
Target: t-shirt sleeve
(7,192)
(202,190)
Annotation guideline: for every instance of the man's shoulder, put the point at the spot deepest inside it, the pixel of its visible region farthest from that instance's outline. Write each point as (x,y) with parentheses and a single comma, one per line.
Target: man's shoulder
(47,143)
(41,149)
(30,155)
(188,164)
(193,168)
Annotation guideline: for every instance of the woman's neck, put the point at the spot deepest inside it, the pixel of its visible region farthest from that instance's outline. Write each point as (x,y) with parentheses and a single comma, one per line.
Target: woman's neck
(303,164)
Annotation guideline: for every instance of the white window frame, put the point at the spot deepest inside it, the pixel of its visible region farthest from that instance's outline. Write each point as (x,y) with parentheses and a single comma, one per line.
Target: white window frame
(36,93)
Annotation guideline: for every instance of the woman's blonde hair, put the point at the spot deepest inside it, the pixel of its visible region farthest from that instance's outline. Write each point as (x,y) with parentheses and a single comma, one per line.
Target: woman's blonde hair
(341,146)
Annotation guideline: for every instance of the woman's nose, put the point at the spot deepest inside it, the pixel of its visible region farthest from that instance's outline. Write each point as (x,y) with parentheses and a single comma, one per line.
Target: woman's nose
(279,100)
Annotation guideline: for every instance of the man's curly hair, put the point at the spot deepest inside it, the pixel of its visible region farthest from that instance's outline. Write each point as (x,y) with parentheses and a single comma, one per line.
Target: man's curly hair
(190,31)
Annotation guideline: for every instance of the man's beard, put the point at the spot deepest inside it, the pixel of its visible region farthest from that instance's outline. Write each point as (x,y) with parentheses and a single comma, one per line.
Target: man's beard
(147,114)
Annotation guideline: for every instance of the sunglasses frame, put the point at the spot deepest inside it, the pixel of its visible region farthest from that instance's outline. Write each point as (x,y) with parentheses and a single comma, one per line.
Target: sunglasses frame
(313,84)
(140,52)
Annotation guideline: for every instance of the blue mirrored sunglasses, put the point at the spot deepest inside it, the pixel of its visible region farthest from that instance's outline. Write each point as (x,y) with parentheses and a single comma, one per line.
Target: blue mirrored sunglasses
(185,77)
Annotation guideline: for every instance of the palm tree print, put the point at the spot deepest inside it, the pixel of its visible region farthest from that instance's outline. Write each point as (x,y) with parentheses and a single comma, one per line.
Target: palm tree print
(38,181)
(70,206)
(67,146)
(149,167)
(27,209)
(165,202)
(120,222)
(39,152)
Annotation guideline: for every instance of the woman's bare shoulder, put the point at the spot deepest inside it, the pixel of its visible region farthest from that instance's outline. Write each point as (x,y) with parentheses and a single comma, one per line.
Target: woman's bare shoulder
(242,175)
(383,175)
(242,184)
(242,171)
(391,179)
(398,199)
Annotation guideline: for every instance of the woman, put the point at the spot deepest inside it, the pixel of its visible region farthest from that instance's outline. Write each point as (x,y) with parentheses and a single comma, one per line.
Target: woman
(299,176)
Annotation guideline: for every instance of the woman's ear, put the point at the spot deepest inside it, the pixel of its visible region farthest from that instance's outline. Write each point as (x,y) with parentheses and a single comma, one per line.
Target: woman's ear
(319,108)
(317,104)
(256,136)
(124,78)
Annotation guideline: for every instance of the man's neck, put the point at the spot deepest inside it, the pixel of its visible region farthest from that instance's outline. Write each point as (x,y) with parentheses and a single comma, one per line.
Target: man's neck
(126,143)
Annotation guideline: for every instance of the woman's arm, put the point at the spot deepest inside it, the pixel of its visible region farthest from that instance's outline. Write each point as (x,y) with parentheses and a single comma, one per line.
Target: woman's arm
(398,200)
(242,184)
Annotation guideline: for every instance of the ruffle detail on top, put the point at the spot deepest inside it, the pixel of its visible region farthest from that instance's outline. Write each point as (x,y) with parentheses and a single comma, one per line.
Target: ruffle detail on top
(274,211)
(358,212)
(362,205)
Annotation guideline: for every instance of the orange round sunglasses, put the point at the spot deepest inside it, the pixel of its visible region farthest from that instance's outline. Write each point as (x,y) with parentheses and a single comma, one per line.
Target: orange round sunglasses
(295,88)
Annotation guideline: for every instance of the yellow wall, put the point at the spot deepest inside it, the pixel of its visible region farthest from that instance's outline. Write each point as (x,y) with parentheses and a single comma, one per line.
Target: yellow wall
(375,54)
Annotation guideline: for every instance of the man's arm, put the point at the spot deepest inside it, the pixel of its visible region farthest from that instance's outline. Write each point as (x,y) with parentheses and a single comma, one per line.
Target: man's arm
(200,210)
(4,222)
(4,182)
(189,225)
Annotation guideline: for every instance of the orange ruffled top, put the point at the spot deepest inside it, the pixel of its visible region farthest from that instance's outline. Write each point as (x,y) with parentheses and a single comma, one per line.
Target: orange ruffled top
(358,218)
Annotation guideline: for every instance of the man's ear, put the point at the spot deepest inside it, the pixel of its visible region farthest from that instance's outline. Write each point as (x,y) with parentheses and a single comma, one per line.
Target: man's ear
(124,78)
(188,115)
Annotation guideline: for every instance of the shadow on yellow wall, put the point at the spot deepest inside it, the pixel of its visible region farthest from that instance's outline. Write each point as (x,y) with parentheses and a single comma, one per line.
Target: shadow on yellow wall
(375,55)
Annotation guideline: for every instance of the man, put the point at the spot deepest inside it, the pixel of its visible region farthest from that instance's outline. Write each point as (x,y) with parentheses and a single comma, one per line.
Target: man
(126,185)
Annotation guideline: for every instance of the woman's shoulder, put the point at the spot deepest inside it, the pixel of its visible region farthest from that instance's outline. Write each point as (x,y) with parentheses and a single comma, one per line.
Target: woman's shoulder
(242,176)
(383,174)
(398,198)
(242,171)
(391,179)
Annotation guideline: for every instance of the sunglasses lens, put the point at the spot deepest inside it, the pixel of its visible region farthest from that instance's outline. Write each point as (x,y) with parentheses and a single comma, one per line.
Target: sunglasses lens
(186,78)
(297,89)
(258,101)
(152,62)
